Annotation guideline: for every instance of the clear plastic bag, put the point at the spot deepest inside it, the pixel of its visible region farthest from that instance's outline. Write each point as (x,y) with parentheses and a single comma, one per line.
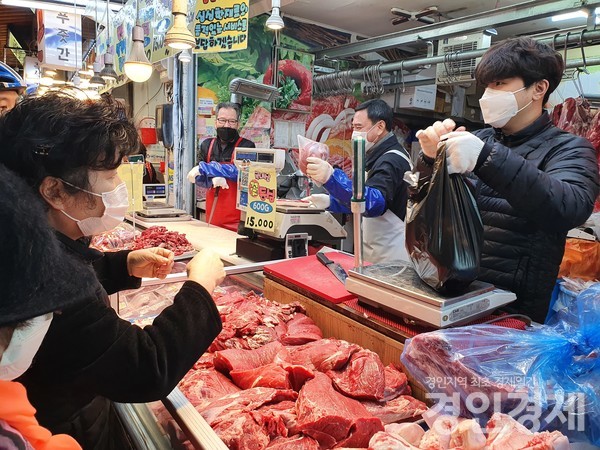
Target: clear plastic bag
(546,377)
(308,147)
(444,231)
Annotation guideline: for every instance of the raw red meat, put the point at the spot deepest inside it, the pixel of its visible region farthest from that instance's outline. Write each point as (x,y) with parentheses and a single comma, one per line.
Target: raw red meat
(270,375)
(300,330)
(200,386)
(247,401)
(362,378)
(286,410)
(159,236)
(236,359)
(331,418)
(396,383)
(401,408)
(322,355)
(297,442)
(309,148)
(240,431)
(409,431)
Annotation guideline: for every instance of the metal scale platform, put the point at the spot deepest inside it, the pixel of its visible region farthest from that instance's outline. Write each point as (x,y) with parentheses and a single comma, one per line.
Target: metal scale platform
(397,289)
(155,207)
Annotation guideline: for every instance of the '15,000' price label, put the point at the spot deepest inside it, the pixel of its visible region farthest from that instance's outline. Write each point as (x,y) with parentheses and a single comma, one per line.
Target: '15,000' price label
(262,198)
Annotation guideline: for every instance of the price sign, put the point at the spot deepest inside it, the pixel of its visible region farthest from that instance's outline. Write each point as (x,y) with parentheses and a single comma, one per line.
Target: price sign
(262,198)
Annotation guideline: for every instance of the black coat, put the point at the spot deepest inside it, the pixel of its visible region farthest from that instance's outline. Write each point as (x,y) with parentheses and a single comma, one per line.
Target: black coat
(90,355)
(532,188)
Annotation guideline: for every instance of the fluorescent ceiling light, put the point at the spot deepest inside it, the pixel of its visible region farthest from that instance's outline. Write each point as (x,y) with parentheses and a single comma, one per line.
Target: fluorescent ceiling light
(569,16)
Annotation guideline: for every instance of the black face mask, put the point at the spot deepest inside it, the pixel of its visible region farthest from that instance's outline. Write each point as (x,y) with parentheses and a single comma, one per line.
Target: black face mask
(227,134)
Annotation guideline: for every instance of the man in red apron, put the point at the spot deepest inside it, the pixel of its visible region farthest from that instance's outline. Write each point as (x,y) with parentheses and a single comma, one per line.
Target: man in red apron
(216,170)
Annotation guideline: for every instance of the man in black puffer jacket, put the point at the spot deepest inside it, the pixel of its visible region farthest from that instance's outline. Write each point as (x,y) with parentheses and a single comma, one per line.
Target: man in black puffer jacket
(534,182)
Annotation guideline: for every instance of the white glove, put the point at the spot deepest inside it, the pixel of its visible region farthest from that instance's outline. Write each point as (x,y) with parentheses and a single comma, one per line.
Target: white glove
(430,136)
(318,170)
(462,151)
(321,201)
(192,174)
(220,182)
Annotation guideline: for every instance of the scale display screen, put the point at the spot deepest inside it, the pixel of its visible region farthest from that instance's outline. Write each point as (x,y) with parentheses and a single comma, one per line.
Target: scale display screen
(155,190)
(258,155)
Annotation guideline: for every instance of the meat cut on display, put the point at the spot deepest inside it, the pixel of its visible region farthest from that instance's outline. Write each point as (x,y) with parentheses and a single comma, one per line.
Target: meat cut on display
(270,380)
(160,237)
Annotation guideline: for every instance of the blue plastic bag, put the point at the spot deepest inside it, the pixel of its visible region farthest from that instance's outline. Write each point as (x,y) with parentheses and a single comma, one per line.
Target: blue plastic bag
(546,377)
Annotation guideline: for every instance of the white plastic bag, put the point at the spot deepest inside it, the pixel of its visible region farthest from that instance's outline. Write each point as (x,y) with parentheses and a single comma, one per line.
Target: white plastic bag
(308,147)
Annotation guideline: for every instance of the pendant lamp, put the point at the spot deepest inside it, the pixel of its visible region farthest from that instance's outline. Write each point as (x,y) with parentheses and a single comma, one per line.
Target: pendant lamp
(137,67)
(108,72)
(96,81)
(275,22)
(179,37)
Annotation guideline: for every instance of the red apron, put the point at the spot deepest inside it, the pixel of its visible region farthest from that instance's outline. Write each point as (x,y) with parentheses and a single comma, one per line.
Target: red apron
(226,214)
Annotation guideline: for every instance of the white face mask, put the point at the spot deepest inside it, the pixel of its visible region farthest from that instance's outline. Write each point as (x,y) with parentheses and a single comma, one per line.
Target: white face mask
(116,204)
(498,107)
(23,346)
(363,135)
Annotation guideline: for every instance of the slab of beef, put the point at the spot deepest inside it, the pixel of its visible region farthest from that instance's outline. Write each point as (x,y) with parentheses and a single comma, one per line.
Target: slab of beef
(297,442)
(236,359)
(301,330)
(286,411)
(401,408)
(322,355)
(331,418)
(362,378)
(396,383)
(240,431)
(432,356)
(246,401)
(270,375)
(200,386)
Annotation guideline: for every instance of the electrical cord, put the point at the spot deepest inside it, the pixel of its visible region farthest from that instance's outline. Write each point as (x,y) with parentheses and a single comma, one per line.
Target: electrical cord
(148,102)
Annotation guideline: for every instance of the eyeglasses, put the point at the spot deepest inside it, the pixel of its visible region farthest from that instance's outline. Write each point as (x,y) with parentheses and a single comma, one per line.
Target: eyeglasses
(227,121)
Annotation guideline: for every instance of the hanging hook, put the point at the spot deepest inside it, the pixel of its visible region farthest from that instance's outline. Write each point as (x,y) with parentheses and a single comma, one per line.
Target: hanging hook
(584,70)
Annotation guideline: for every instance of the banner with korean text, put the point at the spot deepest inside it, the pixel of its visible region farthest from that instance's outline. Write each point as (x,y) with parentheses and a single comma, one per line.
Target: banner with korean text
(220,25)
(59,39)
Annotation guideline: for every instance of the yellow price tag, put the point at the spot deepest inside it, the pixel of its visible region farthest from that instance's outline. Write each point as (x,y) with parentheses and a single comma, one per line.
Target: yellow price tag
(133,174)
(262,198)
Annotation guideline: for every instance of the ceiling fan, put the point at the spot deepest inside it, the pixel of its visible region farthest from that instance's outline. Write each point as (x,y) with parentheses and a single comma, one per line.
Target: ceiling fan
(413,16)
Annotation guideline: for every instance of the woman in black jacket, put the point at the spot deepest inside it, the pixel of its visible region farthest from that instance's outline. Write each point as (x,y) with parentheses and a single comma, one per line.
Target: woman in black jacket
(69,151)
(534,181)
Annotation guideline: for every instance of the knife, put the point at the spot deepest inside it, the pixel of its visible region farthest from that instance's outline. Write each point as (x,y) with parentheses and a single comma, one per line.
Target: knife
(335,268)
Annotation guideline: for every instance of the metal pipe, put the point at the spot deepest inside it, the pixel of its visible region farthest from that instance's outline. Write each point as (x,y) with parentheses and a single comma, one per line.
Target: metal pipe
(508,15)
(590,38)
(357,204)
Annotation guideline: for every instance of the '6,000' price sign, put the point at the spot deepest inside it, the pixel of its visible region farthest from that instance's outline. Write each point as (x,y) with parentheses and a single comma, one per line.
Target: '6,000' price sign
(262,198)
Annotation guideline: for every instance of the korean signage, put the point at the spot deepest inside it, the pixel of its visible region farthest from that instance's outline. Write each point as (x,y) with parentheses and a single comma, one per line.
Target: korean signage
(220,25)
(59,39)
(262,198)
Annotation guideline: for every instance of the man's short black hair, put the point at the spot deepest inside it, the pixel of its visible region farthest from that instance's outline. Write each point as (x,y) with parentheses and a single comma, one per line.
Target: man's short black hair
(521,57)
(377,110)
(60,136)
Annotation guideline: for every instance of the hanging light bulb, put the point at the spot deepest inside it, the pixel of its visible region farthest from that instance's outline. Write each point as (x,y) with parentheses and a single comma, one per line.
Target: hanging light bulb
(137,66)
(275,22)
(47,77)
(76,80)
(185,57)
(179,36)
(97,81)
(108,72)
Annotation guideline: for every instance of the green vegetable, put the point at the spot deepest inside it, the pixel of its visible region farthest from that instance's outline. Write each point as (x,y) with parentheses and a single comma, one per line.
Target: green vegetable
(288,92)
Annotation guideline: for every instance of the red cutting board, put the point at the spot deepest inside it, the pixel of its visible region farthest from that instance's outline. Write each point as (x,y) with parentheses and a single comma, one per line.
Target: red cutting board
(312,276)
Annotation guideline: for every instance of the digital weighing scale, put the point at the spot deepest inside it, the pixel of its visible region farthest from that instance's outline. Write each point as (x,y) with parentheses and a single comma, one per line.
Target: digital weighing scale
(397,289)
(155,206)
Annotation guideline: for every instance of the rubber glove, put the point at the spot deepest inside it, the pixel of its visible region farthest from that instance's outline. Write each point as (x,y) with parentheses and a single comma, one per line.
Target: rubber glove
(321,201)
(318,170)
(220,182)
(462,151)
(192,174)
(430,136)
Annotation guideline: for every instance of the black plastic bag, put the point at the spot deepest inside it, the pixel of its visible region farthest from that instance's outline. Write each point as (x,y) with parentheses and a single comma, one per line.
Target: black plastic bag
(444,232)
